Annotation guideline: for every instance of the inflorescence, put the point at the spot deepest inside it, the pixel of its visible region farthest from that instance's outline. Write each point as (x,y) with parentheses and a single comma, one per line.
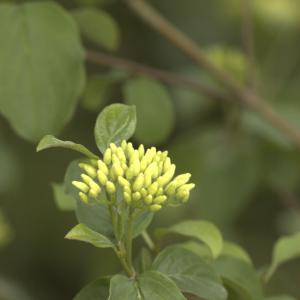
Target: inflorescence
(144,178)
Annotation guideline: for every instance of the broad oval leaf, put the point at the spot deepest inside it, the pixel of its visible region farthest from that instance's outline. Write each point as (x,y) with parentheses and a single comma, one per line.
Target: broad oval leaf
(204,231)
(123,288)
(191,273)
(240,277)
(234,250)
(115,123)
(96,290)
(154,108)
(285,249)
(83,233)
(63,201)
(39,87)
(99,27)
(50,141)
(141,223)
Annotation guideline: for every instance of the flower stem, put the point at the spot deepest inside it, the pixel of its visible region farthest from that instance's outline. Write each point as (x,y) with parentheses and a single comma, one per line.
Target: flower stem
(129,240)
(148,240)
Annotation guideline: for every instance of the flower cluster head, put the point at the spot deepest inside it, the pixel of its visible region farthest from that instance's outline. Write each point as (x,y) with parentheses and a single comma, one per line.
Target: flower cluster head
(145,179)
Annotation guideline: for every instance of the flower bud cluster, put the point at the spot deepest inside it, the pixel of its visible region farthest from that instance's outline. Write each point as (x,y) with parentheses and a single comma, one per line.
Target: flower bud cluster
(145,178)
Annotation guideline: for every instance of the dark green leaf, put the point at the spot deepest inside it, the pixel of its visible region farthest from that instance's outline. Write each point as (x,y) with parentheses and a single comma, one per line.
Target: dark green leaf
(115,123)
(63,201)
(144,260)
(204,231)
(155,285)
(39,87)
(122,288)
(96,290)
(240,277)
(191,273)
(154,108)
(50,141)
(99,27)
(141,223)
(285,249)
(83,233)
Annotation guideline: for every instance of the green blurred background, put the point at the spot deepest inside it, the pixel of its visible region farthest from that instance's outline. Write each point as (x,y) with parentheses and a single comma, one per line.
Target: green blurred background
(247,174)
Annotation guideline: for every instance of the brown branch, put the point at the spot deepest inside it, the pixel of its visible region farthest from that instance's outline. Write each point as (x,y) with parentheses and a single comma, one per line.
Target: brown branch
(105,59)
(149,15)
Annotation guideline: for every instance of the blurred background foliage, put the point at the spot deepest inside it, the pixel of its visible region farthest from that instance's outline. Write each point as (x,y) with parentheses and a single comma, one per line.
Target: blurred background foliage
(247,173)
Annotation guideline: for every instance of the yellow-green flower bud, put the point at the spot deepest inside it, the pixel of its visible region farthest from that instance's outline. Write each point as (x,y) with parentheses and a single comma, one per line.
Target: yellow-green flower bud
(115,159)
(164,155)
(124,166)
(165,179)
(121,154)
(136,167)
(171,188)
(94,186)
(113,147)
(152,189)
(186,187)
(102,178)
(127,189)
(160,199)
(102,166)
(160,191)
(183,195)
(129,173)
(91,171)
(167,164)
(130,149)
(138,183)
(107,156)
(143,192)
(127,197)
(148,199)
(136,196)
(93,162)
(110,187)
(117,170)
(141,150)
(124,146)
(86,179)
(94,193)
(182,179)
(81,186)
(83,197)
(155,207)
(123,182)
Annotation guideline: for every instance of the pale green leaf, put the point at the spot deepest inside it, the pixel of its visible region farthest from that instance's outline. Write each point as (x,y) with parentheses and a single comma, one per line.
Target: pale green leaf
(285,249)
(99,27)
(63,201)
(42,72)
(154,107)
(50,141)
(204,231)
(240,277)
(83,233)
(96,290)
(122,288)
(191,273)
(234,250)
(115,123)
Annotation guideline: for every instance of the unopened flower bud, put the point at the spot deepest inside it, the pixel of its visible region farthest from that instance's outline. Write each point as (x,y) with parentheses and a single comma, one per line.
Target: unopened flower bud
(83,197)
(115,159)
(141,150)
(124,146)
(167,164)
(148,199)
(102,166)
(186,187)
(86,179)
(182,195)
(81,186)
(127,197)
(110,187)
(93,193)
(160,199)
(143,192)
(165,179)
(117,170)
(121,155)
(94,186)
(138,183)
(102,178)
(155,207)
(182,179)
(152,189)
(123,182)
(136,196)
(113,147)
(107,156)
(91,171)
(130,149)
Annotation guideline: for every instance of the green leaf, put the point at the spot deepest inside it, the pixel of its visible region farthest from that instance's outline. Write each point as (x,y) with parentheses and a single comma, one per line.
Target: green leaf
(198,248)
(204,231)
(240,277)
(234,250)
(5,231)
(115,123)
(155,285)
(96,290)
(96,92)
(83,233)
(141,223)
(63,201)
(39,87)
(99,27)
(154,108)
(191,273)
(122,288)
(285,249)
(281,297)
(50,141)
(144,260)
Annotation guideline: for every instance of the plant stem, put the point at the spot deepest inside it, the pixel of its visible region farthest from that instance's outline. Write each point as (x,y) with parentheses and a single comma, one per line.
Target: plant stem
(105,59)
(191,49)
(148,240)
(129,240)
